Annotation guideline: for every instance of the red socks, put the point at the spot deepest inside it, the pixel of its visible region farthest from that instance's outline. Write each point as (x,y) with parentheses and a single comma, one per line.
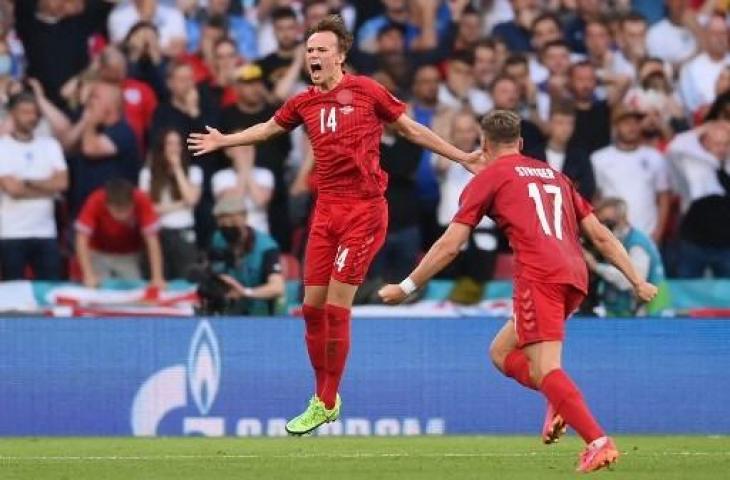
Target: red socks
(517,366)
(562,393)
(338,345)
(315,324)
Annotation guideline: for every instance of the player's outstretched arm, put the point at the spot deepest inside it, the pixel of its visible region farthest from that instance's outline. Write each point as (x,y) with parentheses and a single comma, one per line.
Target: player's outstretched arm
(612,249)
(426,138)
(212,140)
(438,257)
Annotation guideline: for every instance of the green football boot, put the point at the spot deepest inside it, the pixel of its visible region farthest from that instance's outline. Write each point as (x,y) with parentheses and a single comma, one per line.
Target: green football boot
(313,417)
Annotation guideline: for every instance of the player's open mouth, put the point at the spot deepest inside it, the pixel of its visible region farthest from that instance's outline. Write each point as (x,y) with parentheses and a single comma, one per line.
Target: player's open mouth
(315,67)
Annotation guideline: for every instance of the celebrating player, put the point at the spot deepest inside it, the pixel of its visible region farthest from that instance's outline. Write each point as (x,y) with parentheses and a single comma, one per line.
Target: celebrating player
(343,115)
(540,212)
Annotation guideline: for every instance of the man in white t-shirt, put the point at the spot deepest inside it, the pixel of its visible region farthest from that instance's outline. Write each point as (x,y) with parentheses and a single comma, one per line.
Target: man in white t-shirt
(32,172)
(255,184)
(671,38)
(698,76)
(169,21)
(636,173)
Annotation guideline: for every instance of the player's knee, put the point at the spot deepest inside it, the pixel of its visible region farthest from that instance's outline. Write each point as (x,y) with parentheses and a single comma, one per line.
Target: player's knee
(498,355)
(539,370)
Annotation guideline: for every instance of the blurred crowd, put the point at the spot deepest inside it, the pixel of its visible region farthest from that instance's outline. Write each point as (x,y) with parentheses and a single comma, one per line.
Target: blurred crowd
(629,98)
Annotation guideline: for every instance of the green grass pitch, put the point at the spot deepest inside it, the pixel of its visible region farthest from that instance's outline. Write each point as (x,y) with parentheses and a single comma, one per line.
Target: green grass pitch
(371,458)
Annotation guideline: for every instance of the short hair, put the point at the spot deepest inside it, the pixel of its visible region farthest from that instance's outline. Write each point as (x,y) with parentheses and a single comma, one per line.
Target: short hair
(227,40)
(336,25)
(547,16)
(562,107)
(174,66)
(485,43)
(580,64)
(119,192)
(616,203)
(23,96)
(632,17)
(516,59)
(554,44)
(282,13)
(463,56)
(501,78)
(501,126)
(219,22)
(601,22)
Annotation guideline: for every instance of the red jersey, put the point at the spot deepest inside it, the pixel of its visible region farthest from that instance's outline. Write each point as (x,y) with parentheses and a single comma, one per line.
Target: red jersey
(108,235)
(539,210)
(344,126)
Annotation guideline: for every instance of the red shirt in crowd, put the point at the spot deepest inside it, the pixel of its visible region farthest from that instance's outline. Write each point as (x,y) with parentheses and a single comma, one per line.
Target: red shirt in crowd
(344,126)
(140,103)
(539,210)
(108,235)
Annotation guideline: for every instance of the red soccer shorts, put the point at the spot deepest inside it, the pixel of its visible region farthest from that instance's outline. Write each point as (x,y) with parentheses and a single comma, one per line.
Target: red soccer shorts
(344,237)
(540,310)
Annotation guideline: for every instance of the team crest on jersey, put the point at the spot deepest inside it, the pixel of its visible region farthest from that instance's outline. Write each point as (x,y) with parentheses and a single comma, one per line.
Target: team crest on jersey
(344,97)
(346,110)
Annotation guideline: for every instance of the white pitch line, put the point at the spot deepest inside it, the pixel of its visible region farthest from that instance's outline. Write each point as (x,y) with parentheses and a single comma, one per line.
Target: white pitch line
(344,456)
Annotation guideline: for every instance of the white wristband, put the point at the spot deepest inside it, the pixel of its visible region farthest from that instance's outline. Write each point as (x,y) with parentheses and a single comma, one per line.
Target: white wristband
(408,286)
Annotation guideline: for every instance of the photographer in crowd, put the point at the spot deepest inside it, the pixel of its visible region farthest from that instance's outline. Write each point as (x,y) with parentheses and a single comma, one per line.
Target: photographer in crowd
(248,261)
(615,293)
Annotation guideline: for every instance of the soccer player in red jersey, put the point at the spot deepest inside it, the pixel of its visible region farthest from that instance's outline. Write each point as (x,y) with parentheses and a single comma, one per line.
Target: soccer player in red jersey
(344,116)
(541,213)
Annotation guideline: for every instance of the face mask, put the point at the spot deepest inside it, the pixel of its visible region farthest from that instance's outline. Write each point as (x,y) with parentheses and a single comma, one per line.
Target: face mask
(231,234)
(6,64)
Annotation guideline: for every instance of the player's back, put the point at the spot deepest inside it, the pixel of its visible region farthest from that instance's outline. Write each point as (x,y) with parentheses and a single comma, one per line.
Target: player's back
(344,126)
(539,210)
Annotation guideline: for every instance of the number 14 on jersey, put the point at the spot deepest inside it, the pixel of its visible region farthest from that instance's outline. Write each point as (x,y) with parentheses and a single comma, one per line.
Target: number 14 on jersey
(328,119)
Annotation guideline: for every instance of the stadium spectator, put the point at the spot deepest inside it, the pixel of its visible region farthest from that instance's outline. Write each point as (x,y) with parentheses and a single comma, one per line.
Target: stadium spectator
(546,29)
(251,108)
(555,58)
(700,161)
(673,38)
(563,157)
(468,26)
(531,100)
(288,33)
(592,121)
(615,293)
(631,39)
(115,224)
(575,28)
(220,87)
(506,96)
(140,101)
(396,12)
(254,272)
(474,266)
(635,173)
(202,55)
(429,111)
(485,64)
(458,90)
(698,76)
(174,186)
(236,26)
(32,173)
(145,61)
(612,68)
(516,33)
(168,20)
(56,44)
(188,108)
(100,145)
